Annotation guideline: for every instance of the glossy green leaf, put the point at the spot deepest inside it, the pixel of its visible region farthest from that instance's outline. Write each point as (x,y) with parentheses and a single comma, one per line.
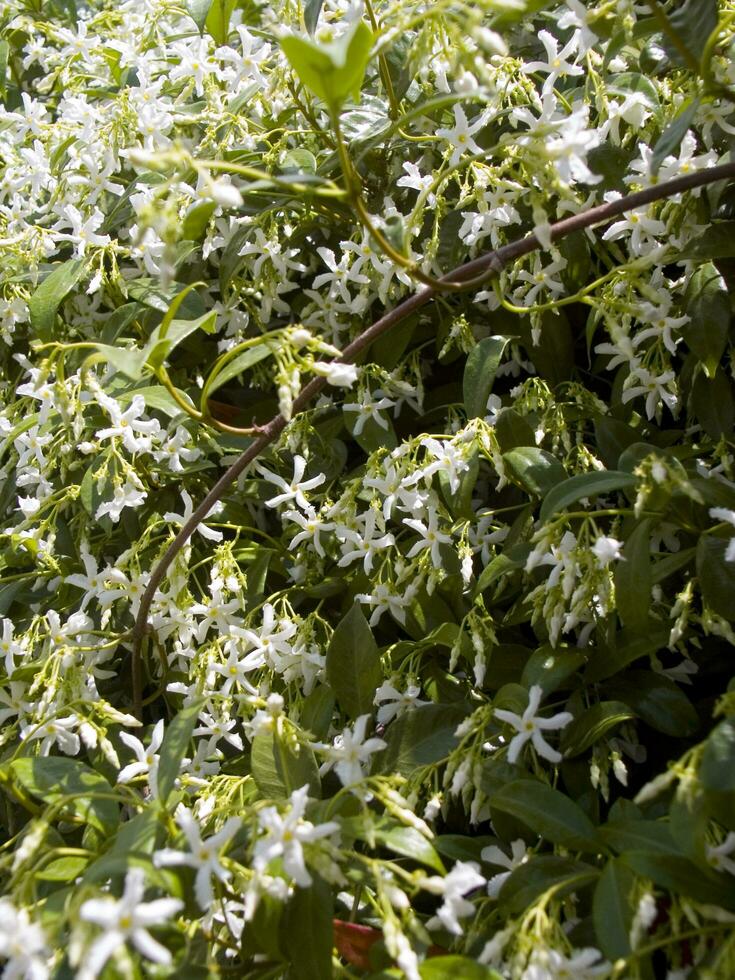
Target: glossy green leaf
(174,747)
(584,485)
(712,403)
(550,668)
(420,737)
(716,576)
(612,909)
(454,968)
(312,9)
(534,470)
(693,21)
(670,140)
(717,768)
(549,813)
(217,23)
(306,932)
(49,295)
(354,671)
(639,835)
(279,767)
(717,242)
(482,364)
(502,564)
(198,10)
(591,725)
(332,72)
(541,873)
(683,877)
(53,779)
(709,311)
(633,577)
(656,700)
(232,367)
(409,843)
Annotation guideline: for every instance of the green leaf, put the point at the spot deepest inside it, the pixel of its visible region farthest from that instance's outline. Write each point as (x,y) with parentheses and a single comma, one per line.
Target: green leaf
(657,701)
(312,9)
(712,404)
(718,242)
(479,374)
(331,72)
(670,140)
(639,835)
(232,367)
(353,664)
(717,769)
(591,725)
(128,361)
(156,397)
(538,875)
(279,767)
(47,298)
(683,877)
(581,486)
(633,578)
(628,646)
(612,911)
(503,564)
(693,21)
(317,712)
(716,576)
(4,53)
(421,737)
(62,869)
(197,218)
(512,429)
(52,779)
(198,10)
(409,843)
(533,469)
(217,23)
(549,813)
(454,968)
(174,746)
(709,310)
(307,933)
(550,668)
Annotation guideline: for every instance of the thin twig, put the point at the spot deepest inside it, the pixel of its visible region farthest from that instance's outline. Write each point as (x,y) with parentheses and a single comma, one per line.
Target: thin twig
(495,261)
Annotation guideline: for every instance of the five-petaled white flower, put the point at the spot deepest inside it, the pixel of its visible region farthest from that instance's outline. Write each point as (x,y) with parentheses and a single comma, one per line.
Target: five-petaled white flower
(529,726)
(180,519)
(460,135)
(285,835)
(204,855)
(295,489)
(350,750)
(146,758)
(128,918)
(463,878)
(494,855)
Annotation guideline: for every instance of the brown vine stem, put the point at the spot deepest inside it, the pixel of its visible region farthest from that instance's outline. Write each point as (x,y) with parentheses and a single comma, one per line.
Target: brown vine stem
(492,261)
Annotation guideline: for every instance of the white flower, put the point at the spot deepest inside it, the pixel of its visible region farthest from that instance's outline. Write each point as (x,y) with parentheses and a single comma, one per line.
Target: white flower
(203,854)
(286,834)
(549,964)
(654,387)
(460,135)
(556,66)
(369,408)
(22,945)
(337,374)
(718,856)
(529,727)
(727,516)
(494,855)
(295,489)
(607,550)
(128,495)
(180,519)
(397,701)
(463,878)
(431,537)
(350,750)
(126,424)
(125,919)
(146,758)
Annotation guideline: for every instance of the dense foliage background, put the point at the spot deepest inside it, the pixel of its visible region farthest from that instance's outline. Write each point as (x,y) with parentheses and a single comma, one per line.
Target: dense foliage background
(441,686)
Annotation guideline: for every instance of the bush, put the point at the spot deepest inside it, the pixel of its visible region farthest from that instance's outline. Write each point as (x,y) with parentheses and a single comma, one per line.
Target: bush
(367,489)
